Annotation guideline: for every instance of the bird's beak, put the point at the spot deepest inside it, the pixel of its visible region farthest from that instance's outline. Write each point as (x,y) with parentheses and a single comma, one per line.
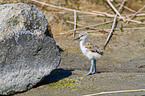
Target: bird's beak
(77,38)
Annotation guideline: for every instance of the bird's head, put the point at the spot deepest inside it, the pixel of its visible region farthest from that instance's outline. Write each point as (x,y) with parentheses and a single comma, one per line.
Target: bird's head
(83,36)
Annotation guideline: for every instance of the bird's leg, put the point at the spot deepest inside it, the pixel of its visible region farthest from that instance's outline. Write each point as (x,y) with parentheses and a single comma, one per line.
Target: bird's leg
(94,67)
(92,64)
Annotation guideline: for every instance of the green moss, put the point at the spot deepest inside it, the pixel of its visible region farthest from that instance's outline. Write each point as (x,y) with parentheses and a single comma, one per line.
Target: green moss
(130,76)
(3,3)
(65,83)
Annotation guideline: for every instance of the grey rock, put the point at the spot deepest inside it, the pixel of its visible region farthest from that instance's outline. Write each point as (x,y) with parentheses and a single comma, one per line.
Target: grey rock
(27,55)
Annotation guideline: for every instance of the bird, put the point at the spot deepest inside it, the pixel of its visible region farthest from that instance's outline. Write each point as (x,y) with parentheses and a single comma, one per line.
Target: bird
(91,51)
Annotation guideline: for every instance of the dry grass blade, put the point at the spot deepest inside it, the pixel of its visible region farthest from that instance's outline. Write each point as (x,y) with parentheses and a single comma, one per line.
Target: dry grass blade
(68,9)
(133,28)
(113,26)
(52,5)
(129,9)
(90,31)
(73,23)
(111,92)
(111,9)
(91,26)
(105,14)
(110,34)
(130,28)
(135,14)
(115,9)
(90,13)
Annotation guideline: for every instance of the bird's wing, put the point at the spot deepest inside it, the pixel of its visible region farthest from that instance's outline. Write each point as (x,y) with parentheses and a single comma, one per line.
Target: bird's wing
(93,48)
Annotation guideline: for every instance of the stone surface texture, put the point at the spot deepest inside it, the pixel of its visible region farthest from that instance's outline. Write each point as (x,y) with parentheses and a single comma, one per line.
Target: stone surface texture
(27,55)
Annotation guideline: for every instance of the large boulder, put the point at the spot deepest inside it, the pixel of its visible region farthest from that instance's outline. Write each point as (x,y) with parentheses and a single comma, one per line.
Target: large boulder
(27,54)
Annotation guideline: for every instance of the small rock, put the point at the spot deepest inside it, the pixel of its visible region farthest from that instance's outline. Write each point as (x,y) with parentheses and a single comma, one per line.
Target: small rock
(27,55)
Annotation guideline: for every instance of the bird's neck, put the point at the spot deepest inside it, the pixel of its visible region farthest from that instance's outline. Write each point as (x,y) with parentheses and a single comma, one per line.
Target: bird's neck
(83,41)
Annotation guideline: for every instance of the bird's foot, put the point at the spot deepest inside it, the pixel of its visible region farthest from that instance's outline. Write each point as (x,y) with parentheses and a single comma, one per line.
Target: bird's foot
(90,73)
(94,72)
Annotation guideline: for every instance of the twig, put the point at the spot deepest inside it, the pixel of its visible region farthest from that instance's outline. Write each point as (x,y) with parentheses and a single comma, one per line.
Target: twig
(129,9)
(127,28)
(130,28)
(75,23)
(110,34)
(124,7)
(115,9)
(111,9)
(91,13)
(66,8)
(91,26)
(135,14)
(90,31)
(134,21)
(66,33)
(113,26)
(110,15)
(122,91)
(52,5)
(106,30)
(105,14)
(99,30)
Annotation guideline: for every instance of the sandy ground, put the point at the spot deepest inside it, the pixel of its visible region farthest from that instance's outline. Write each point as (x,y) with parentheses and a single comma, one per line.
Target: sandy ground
(121,68)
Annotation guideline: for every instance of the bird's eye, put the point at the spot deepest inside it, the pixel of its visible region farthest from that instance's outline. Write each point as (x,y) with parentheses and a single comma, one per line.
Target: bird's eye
(81,35)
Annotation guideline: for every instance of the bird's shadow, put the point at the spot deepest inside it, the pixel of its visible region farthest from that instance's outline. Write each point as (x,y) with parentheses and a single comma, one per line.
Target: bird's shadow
(54,76)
